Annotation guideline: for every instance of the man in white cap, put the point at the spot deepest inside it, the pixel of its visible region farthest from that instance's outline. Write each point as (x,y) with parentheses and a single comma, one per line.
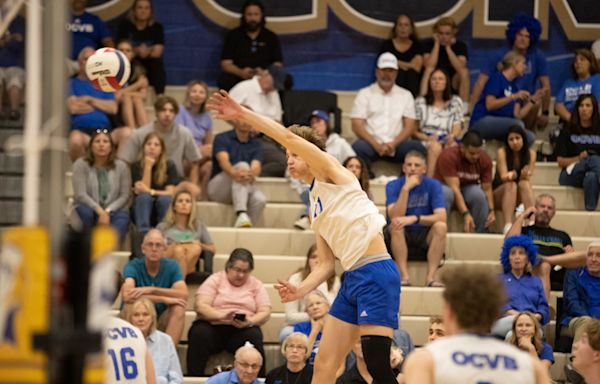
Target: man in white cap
(383,117)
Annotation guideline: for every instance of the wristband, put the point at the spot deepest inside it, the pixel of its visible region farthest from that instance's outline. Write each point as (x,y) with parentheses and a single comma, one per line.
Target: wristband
(466,213)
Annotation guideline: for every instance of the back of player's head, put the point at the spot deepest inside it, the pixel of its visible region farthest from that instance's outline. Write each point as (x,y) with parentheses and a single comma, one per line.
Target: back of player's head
(593,333)
(308,134)
(472,139)
(475,295)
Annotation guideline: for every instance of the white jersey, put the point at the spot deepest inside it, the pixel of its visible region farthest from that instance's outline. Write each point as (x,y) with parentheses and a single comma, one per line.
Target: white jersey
(125,348)
(344,216)
(472,359)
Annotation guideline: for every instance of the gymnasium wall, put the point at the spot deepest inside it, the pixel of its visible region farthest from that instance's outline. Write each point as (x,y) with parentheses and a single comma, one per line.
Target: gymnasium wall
(332,44)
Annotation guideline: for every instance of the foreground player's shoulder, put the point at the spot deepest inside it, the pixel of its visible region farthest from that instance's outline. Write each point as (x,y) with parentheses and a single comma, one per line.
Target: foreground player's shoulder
(418,368)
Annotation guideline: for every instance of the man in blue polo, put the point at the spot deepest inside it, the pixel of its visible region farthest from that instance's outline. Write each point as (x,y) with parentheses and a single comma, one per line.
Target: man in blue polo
(417,217)
(237,160)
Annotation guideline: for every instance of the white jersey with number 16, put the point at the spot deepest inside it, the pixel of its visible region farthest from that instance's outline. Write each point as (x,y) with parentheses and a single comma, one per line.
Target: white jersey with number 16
(125,348)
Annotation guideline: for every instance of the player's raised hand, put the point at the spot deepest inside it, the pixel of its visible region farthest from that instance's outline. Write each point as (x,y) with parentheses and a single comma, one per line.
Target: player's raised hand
(224,107)
(287,291)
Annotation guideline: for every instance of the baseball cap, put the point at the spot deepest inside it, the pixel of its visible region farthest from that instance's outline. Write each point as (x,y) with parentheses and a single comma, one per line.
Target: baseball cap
(320,114)
(387,60)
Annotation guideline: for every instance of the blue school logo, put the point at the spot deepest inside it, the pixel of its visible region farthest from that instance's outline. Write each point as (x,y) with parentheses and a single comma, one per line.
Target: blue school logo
(317,208)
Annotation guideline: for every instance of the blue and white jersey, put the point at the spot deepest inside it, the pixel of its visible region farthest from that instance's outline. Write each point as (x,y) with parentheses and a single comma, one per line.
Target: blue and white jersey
(344,216)
(472,359)
(125,348)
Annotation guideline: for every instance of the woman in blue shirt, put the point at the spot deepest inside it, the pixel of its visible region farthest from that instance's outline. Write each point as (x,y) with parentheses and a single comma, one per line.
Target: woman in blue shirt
(501,104)
(527,335)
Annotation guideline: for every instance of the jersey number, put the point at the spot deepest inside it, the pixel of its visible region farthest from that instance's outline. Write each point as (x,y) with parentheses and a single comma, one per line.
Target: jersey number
(127,363)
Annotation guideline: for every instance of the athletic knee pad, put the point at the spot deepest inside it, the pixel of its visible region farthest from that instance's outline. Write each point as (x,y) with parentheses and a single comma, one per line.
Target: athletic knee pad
(376,352)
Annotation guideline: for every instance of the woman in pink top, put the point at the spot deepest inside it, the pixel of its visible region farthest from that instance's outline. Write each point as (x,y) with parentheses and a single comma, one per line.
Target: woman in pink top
(231,306)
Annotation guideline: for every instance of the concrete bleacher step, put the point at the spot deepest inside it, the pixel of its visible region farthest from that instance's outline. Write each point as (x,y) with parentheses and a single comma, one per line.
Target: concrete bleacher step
(283,215)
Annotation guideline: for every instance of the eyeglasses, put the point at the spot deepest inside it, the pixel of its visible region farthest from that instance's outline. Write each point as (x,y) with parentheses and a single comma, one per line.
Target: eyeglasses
(253,367)
(295,346)
(103,130)
(154,245)
(240,270)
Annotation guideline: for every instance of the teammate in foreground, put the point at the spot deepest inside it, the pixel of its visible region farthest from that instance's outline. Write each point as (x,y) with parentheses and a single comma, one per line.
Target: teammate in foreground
(585,354)
(473,298)
(348,226)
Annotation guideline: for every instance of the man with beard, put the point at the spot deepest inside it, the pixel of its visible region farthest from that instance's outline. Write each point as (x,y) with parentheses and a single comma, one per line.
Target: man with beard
(249,47)
(383,117)
(554,246)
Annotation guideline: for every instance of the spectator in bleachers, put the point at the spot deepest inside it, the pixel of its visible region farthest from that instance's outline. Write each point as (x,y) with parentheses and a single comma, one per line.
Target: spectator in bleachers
(552,243)
(581,297)
(408,51)
(148,40)
(274,162)
(357,166)
(502,104)
(578,150)
(358,372)
(249,47)
(248,361)
(295,371)
(231,305)
(295,311)
(585,81)
(525,291)
(12,67)
(335,144)
(416,217)
(317,307)
(237,158)
(465,171)
(188,238)
(164,355)
(585,353)
(437,329)
(259,94)
(194,116)
(154,179)
(159,279)
(132,98)
(90,110)
(383,117)
(439,117)
(180,144)
(515,163)
(522,33)
(102,186)
(87,30)
(449,54)
(527,335)
(595,48)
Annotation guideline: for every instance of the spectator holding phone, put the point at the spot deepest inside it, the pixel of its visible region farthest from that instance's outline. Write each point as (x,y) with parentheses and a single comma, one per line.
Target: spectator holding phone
(231,306)
(578,150)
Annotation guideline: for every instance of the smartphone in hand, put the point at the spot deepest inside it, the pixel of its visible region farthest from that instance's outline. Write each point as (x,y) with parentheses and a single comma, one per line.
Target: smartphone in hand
(239,317)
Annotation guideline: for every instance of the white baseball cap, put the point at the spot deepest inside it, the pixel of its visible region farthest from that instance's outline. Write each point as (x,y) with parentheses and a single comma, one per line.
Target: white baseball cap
(387,60)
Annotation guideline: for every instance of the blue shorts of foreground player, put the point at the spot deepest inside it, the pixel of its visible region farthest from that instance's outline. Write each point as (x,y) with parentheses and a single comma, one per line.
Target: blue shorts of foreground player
(370,294)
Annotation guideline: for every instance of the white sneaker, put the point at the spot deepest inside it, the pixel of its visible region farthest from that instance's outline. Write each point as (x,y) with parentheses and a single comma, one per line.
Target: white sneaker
(243,221)
(302,223)
(506,228)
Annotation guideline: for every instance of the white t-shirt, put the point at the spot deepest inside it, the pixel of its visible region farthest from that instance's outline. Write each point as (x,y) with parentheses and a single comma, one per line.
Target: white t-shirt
(249,93)
(345,218)
(472,359)
(338,147)
(125,348)
(383,112)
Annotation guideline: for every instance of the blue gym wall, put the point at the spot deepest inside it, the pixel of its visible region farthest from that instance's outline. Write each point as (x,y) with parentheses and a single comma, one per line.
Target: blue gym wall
(340,57)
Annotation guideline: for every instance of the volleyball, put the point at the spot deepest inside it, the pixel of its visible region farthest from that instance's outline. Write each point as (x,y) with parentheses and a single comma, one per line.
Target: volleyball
(108,69)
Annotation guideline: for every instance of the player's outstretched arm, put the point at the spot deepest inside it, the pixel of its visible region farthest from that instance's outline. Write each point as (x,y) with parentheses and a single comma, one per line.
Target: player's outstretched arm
(321,164)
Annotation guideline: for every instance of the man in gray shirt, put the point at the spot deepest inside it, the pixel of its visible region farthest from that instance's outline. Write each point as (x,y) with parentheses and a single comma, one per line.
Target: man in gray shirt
(179,142)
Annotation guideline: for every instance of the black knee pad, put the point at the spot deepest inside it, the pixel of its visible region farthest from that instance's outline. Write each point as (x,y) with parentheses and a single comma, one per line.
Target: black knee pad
(376,352)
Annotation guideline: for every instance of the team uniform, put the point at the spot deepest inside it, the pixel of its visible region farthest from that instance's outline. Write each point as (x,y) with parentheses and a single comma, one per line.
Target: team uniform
(347,220)
(125,353)
(473,359)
